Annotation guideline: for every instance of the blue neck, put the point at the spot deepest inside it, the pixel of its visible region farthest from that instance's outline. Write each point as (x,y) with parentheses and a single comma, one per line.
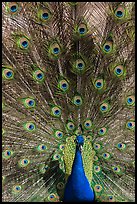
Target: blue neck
(77,187)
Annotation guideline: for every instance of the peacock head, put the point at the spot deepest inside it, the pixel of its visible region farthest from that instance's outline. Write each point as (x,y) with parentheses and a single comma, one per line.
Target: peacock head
(79,142)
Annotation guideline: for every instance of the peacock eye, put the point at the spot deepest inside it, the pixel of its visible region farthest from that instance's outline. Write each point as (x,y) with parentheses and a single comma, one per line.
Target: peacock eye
(107,47)
(118,71)
(130,125)
(16,189)
(97,169)
(44,15)
(70,126)
(111,198)
(102,131)
(7,74)
(42,147)
(12,7)
(120,12)
(130,100)
(30,126)
(58,133)
(99,84)
(63,85)
(77,100)
(121,146)
(23,43)
(95,158)
(116,169)
(106,156)
(56,156)
(52,197)
(7,154)
(80,65)
(104,107)
(56,111)
(61,147)
(38,76)
(29,103)
(60,185)
(97,146)
(82,29)
(55,48)
(23,163)
(98,188)
(87,124)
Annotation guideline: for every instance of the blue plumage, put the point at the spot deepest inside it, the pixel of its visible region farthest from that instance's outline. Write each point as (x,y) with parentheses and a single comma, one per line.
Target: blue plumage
(77,187)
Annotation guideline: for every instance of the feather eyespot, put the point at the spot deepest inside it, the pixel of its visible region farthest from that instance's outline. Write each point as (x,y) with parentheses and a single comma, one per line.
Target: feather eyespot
(82,29)
(54,50)
(44,15)
(24,163)
(119,70)
(120,12)
(29,103)
(99,84)
(97,146)
(87,124)
(60,185)
(7,74)
(80,65)
(102,131)
(7,154)
(77,100)
(23,43)
(61,147)
(98,188)
(56,111)
(30,126)
(63,85)
(130,100)
(95,158)
(121,146)
(56,157)
(106,156)
(70,126)
(97,169)
(12,7)
(52,197)
(104,107)
(58,134)
(116,169)
(130,125)
(38,76)
(89,137)
(108,46)
(16,189)
(111,198)
(42,148)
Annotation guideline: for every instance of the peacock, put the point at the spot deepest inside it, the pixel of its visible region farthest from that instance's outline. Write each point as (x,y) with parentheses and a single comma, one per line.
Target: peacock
(68,98)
